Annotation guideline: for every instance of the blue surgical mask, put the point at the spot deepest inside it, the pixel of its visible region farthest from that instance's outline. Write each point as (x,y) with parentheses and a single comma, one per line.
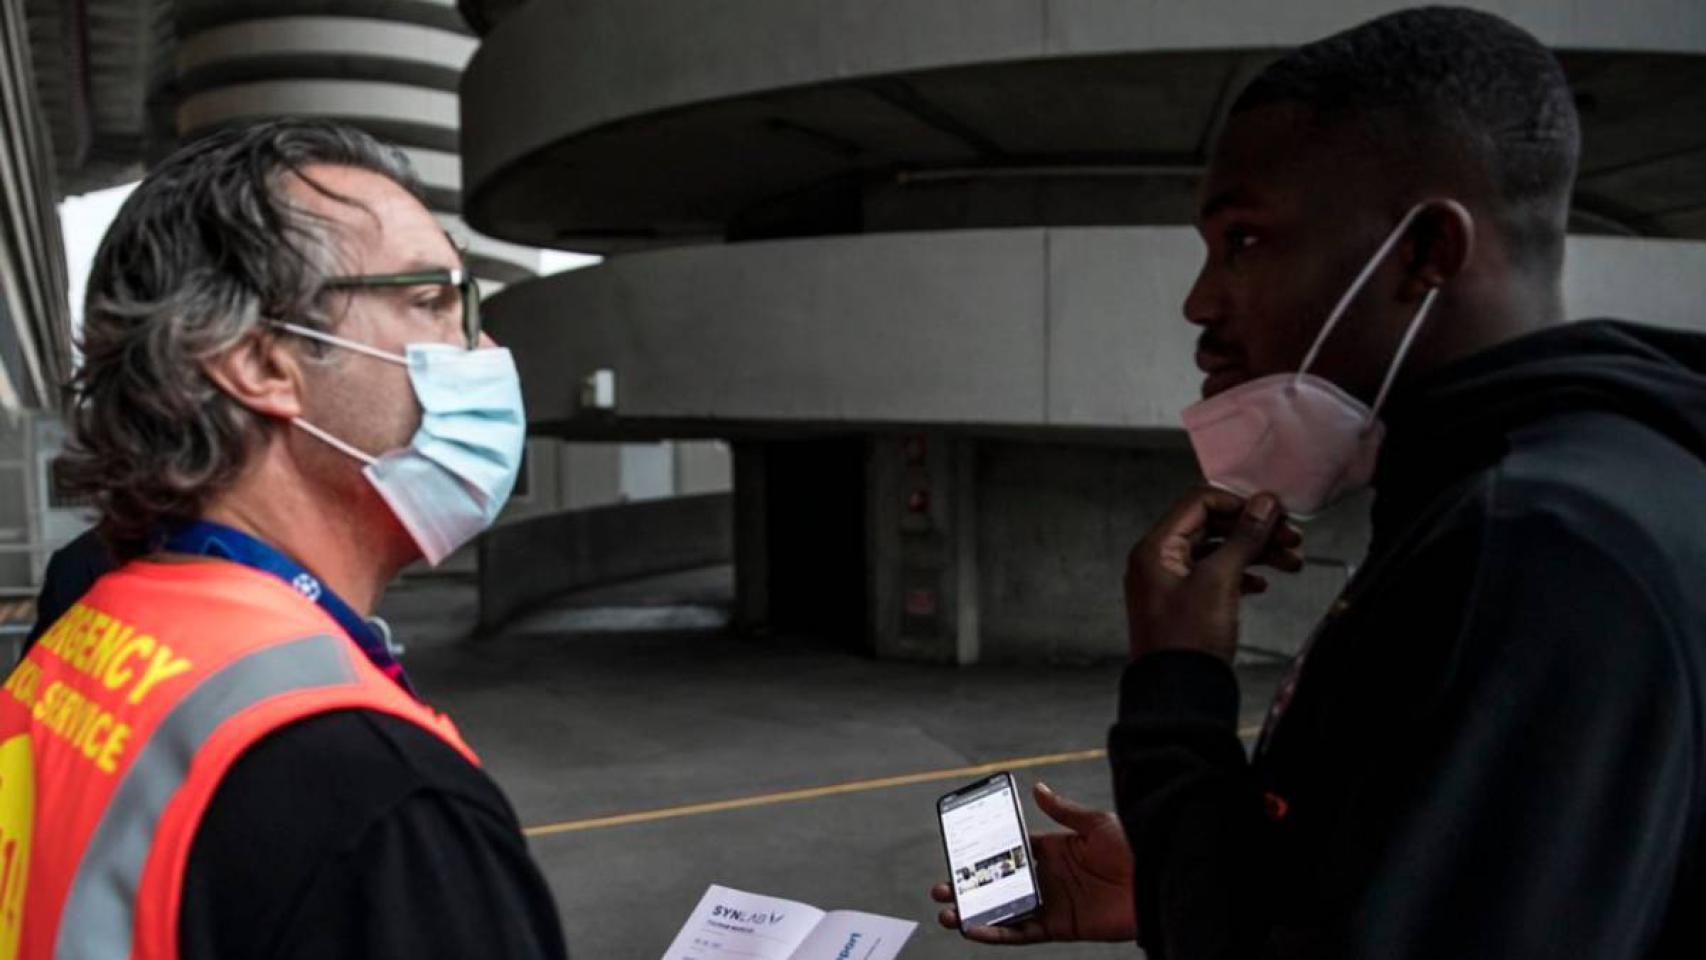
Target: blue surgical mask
(449,483)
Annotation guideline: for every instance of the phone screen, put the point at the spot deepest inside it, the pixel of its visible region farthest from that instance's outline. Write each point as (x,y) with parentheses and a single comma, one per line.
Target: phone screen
(989,857)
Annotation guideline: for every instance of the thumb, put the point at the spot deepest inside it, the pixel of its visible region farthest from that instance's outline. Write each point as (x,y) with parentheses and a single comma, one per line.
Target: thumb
(1070,814)
(1246,543)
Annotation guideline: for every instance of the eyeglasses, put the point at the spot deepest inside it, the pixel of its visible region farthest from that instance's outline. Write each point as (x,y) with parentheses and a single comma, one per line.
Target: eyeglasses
(461,279)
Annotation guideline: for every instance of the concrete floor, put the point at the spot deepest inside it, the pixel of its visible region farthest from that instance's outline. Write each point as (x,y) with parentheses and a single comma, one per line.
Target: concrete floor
(639,698)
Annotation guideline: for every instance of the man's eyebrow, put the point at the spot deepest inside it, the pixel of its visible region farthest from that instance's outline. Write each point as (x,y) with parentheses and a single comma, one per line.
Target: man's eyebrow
(426,265)
(1231,197)
(460,248)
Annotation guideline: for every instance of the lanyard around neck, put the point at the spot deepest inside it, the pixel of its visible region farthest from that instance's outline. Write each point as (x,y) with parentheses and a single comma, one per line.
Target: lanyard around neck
(208,539)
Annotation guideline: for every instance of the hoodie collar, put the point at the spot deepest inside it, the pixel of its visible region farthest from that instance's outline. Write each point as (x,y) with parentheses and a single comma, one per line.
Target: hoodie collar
(1459,419)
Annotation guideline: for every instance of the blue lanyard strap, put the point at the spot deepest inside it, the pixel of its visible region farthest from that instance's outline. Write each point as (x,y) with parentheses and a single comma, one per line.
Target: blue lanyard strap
(205,538)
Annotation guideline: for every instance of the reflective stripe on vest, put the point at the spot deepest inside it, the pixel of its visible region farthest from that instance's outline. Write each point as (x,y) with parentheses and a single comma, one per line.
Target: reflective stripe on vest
(99,916)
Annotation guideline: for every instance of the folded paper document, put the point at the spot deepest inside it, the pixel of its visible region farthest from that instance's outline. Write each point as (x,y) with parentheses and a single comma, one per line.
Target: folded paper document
(732,924)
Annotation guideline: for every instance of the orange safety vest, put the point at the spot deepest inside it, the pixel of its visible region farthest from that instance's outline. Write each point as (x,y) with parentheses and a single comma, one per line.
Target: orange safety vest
(119,726)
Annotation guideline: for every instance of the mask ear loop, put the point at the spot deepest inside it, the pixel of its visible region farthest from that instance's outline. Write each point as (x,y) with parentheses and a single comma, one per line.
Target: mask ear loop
(1403,349)
(333,442)
(337,341)
(1355,288)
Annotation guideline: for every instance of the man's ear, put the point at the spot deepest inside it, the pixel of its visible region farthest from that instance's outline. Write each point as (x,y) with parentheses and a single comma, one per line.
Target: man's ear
(1441,241)
(262,373)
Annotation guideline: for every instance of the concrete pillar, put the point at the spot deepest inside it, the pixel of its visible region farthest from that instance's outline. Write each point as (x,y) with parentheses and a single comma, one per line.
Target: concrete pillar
(701,466)
(1056,521)
(589,474)
(752,545)
(967,592)
(537,488)
(19,519)
(922,544)
(647,471)
(34,312)
(1004,550)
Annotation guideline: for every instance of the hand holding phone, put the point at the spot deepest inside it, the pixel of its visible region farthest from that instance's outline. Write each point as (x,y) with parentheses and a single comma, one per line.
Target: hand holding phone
(1084,876)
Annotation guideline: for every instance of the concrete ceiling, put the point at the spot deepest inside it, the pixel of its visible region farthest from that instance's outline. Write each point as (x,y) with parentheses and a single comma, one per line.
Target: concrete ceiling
(1090,140)
(1643,140)
(106,71)
(95,64)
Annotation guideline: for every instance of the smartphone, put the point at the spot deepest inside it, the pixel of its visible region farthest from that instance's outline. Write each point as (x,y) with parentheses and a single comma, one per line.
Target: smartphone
(989,852)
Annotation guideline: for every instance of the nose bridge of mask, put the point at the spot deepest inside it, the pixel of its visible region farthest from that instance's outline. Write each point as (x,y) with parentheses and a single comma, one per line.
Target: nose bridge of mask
(1340,308)
(482,376)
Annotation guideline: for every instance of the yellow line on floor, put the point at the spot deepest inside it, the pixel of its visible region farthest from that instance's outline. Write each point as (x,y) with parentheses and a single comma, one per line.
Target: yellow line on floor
(834,789)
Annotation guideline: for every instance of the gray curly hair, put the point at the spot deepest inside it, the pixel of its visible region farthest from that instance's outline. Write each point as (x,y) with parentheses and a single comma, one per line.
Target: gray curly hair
(206,250)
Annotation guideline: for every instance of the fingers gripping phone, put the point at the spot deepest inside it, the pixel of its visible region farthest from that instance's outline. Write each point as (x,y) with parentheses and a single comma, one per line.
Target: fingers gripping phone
(989,853)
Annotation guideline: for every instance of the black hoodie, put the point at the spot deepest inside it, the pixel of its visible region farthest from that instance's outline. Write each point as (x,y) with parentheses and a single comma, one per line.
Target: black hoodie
(1494,744)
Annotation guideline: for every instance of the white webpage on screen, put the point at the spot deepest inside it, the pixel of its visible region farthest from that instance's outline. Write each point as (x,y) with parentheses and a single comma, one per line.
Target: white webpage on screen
(986,853)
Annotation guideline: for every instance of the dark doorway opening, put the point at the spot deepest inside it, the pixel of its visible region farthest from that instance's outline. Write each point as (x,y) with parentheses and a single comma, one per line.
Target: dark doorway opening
(810,495)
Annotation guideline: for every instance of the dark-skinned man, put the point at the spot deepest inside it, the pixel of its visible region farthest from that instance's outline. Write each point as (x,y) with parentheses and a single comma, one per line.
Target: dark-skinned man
(1491,747)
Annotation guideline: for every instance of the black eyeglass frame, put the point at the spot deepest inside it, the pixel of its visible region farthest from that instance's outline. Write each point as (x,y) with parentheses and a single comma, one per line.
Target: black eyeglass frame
(457,277)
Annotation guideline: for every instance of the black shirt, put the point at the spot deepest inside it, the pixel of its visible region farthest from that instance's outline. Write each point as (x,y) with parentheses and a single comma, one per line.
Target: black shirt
(1494,745)
(356,834)
(71,571)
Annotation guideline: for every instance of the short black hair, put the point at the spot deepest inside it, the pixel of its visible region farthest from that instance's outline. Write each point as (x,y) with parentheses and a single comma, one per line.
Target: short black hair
(1442,83)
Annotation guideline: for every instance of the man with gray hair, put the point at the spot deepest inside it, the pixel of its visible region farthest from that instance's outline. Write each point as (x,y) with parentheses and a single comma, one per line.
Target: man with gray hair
(285,398)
